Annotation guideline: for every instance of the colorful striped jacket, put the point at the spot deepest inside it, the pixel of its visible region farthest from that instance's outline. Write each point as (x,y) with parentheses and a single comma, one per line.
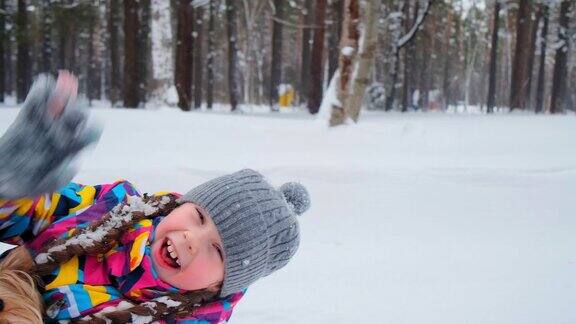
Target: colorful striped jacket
(87,284)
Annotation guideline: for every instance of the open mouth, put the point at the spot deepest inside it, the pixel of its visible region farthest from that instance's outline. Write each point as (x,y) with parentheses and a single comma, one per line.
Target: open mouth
(169,255)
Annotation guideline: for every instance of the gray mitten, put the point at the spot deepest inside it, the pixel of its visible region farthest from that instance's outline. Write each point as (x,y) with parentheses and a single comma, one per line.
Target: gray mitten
(37,150)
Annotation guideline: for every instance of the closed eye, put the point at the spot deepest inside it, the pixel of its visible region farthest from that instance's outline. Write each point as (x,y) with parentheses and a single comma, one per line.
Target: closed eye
(201,216)
(219,252)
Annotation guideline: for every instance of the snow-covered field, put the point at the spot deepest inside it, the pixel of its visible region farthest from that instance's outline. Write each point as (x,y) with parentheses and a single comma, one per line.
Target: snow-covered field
(418,218)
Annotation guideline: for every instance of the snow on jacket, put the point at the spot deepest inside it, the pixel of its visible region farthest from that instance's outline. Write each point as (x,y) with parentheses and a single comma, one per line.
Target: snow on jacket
(87,284)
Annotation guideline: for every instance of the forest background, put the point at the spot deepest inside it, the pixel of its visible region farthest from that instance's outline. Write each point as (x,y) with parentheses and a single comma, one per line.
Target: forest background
(424,54)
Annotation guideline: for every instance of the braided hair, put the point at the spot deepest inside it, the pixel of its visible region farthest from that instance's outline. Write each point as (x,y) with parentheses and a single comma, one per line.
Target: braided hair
(101,236)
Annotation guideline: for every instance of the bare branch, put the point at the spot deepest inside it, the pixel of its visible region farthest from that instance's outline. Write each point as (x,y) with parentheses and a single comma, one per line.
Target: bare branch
(289,24)
(419,21)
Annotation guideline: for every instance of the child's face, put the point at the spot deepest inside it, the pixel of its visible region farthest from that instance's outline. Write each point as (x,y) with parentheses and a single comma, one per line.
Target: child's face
(187,250)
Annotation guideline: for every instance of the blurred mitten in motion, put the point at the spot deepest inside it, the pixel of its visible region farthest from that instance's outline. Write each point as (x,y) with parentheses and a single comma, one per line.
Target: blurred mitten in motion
(37,150)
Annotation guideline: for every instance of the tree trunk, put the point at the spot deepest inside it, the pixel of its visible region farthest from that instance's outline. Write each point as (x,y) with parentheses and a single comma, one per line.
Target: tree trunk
(407,56)
(24,64)
(447,70)
(365,61)
(162,58)
(397,22)
(520,73)
(210,55)
(531,55)
(3,56)
(94,72)
(398,42)
(131,54)
(349,52)
(394,78)
(336,16)
(144,48)
(424,78)
(560,64)
(352,93)
(183,69)
(232,30)
(115,68)
(68,41)
(305,55)
(316,62)
(46,37)
(10,83)
(276,64)
(493,58)
(198,57)
(542,68)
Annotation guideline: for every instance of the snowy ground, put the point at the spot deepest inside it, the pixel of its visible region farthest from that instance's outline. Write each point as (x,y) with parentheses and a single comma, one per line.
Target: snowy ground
(419,218)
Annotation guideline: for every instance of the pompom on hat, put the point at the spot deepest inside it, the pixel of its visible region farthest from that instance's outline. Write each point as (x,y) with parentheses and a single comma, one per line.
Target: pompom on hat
(256,222)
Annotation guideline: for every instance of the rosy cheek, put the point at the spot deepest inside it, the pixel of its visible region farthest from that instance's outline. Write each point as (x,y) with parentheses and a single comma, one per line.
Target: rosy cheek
(199,268)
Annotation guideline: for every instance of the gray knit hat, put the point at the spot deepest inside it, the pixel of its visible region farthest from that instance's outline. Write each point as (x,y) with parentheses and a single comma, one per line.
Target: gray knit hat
(257,223)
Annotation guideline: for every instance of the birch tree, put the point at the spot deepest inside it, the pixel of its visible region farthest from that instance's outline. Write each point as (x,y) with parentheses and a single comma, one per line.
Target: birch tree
(254,55)
(162,55)
(356,60)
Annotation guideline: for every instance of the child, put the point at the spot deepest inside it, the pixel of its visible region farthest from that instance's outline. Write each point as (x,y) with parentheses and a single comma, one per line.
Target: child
(106,254)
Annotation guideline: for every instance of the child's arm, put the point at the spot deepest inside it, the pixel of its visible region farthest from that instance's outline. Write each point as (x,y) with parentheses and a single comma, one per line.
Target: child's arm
(163,310)
(218,311)
(37,150)
(22,220)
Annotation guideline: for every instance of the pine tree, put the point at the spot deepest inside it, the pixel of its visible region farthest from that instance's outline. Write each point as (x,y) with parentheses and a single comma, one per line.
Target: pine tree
(3,56)
(544,9)
(198,55)
(493,58)
(276,65)
(211,52)
(24,64)
(183,69)
(115,84)
(46,36)
(316,63)
(144,49)
(94,56)
(232,31)
(560,64)
(307,14)
(335,32)
(131,54)
(399,41)
(520,73)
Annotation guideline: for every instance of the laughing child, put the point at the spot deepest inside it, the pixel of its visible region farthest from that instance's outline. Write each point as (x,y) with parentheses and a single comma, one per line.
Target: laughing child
(107,254)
